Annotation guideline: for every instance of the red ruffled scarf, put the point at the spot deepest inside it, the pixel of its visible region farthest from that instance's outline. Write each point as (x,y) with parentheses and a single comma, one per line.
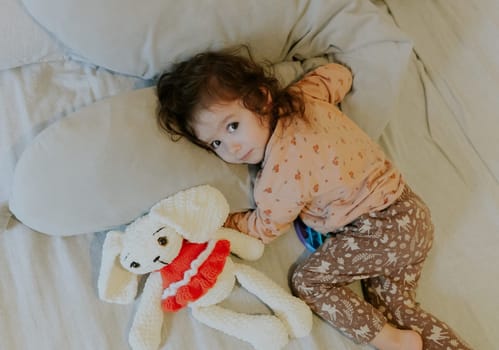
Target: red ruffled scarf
(192,273)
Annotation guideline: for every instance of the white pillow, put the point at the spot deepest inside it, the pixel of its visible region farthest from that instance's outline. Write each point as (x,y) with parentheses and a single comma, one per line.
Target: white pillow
(108,163)
(135,38)
(22,40)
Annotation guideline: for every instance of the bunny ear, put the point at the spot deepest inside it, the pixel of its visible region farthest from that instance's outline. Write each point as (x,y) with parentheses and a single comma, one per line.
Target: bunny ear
(196,213)
(115,284)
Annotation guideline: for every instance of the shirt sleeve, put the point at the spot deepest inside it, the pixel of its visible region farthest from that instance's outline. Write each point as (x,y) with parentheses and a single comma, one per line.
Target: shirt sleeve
(329,83)
(282,190)
(267,221)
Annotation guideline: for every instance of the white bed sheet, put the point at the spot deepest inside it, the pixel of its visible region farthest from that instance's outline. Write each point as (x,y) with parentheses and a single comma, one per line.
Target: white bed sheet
(457,41)
(458,175)
(48,297)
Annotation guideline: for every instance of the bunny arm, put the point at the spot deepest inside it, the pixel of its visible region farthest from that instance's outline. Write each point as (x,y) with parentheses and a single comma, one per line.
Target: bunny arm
(145,333)
(242,245)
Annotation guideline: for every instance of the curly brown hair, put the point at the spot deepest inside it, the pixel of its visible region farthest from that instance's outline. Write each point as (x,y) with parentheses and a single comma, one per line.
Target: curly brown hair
(212,77)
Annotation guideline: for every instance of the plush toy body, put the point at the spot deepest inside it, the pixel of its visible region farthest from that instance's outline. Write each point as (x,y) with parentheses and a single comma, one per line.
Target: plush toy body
(193,272)
(185,250)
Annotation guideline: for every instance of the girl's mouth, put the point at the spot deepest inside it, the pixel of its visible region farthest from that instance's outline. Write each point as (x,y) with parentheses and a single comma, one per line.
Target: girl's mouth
(246,156)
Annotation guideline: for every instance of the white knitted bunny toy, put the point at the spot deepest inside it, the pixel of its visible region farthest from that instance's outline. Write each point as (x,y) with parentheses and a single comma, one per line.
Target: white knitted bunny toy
(182,244)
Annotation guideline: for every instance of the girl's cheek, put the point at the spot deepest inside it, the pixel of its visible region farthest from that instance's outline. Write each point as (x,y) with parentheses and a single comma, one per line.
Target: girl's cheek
(221,155)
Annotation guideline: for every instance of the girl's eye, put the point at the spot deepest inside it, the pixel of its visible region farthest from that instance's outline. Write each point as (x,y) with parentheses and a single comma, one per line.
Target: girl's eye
(215,144)
(162,241)
(232,126)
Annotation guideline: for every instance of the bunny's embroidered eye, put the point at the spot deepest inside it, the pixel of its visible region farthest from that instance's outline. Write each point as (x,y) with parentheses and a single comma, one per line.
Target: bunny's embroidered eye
(134,265)
(162,241)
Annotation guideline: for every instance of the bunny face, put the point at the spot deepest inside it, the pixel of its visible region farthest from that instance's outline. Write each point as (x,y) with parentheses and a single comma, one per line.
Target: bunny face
(149,245)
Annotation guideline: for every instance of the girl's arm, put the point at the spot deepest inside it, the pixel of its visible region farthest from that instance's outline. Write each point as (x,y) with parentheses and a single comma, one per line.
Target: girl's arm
(328,83)
(281,191)
(253,223)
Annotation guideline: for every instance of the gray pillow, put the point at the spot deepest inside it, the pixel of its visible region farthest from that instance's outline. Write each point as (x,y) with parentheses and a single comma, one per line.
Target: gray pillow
(143,39)
(108,163)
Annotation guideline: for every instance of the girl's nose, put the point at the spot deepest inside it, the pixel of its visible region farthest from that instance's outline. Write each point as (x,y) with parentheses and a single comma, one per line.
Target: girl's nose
(234,148)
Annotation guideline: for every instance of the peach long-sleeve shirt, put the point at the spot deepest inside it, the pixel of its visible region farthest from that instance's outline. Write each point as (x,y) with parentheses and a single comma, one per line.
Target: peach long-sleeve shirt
(323,168)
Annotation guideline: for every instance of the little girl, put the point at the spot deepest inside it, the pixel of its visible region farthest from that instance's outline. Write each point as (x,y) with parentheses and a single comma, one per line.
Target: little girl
(316,166)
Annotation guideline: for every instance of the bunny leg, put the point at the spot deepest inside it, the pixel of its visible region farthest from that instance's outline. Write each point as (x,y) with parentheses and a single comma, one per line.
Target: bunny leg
(293,312)
(145,333)
(264,332)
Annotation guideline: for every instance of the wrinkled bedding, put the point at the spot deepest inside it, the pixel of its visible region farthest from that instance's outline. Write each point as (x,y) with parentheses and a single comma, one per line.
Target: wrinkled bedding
(443,138)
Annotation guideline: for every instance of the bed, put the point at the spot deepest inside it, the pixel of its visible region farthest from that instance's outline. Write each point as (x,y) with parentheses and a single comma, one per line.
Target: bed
(435,63)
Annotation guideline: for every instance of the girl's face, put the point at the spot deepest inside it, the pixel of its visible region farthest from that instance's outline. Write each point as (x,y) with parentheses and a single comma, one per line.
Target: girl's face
(233,132)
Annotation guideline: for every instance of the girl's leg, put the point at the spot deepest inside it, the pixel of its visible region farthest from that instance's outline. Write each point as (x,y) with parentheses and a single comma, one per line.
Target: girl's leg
(394,296)
(335,302)
(377,244)
(360,250)
(322,282)
(393,293)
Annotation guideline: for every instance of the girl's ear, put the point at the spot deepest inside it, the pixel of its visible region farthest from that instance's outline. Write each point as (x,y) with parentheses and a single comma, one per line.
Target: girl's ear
(267,93)
(115,284)
(269,106)
(196,213)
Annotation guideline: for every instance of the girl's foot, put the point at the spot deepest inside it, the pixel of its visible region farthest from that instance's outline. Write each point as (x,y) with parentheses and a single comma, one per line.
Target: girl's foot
(391,338)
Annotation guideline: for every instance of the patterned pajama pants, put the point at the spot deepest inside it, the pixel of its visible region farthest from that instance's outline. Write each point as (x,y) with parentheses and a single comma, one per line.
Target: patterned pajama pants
(386,251)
